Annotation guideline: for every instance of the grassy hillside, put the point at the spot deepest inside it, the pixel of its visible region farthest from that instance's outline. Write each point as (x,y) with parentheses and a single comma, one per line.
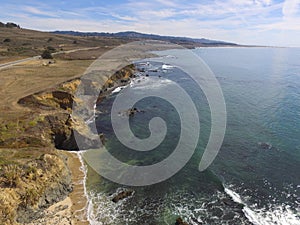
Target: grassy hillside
(16,43)
(33,174)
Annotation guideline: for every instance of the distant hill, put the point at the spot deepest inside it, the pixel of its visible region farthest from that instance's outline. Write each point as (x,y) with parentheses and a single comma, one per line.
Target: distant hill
(20,42)
(193,42)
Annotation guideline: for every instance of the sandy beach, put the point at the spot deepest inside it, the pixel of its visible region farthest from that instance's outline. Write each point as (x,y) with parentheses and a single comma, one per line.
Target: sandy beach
(71,210)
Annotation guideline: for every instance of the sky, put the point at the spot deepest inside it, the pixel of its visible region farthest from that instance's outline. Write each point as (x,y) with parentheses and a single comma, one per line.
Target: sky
(261,22)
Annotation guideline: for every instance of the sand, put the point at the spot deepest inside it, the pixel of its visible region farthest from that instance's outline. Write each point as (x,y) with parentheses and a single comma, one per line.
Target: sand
(71,210)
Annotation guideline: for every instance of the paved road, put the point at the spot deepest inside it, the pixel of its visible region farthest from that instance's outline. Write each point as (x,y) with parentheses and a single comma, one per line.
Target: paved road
(6,65)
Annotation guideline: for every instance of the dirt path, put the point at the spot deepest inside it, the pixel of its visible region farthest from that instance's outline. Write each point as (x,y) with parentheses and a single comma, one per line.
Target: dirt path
(13,63)
(9,64)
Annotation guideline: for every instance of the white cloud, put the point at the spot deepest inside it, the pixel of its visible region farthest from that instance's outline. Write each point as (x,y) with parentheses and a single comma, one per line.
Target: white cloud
(263,2)
(156,14)
(37,11)
(167,3)
(126,18)
(242,21)
(290,8)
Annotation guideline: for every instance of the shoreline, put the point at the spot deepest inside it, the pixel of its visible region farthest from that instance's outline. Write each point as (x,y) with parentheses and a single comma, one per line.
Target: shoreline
(78,197)
(73,209)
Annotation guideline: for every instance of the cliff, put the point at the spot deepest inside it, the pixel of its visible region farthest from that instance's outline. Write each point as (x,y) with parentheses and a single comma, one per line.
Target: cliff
(27,188)
(33,174)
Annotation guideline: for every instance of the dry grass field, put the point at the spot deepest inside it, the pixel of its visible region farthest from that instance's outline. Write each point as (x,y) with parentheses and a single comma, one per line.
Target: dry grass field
(24,79)
(19,126)
(30,77)
(22,43)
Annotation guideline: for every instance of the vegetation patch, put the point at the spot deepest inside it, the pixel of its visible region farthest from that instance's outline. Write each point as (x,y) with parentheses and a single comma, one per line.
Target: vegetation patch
(23,184)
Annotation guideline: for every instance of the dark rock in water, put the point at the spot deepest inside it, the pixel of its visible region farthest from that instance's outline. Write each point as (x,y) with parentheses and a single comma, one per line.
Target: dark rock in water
(133,111)
(141,69)
(102,138)
(228,202)
(122,195)
(265,145)
(179,221)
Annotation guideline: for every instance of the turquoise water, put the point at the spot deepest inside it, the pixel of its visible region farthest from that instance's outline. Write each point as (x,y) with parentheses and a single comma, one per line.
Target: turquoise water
(261,88)
(255,178)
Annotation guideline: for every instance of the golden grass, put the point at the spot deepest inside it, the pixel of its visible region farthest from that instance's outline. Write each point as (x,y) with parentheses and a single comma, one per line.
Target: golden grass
(26,42)
(24,180)
(25,172)
(32,77)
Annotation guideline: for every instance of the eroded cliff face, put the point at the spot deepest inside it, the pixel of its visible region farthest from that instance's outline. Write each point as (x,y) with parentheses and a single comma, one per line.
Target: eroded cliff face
(40,177)
(57,126)
(27,188)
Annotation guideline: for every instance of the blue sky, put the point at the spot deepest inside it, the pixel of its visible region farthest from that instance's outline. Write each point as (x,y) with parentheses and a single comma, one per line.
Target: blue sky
(264,22)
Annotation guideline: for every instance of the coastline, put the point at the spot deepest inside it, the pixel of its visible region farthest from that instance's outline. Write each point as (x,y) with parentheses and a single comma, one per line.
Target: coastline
(73,209)
(78,197)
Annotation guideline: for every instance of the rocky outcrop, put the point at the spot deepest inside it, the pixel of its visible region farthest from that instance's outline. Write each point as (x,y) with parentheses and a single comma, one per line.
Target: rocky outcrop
(265,145)
(58,127)
(122,195)
(55,192)
(50,100)
(27,189)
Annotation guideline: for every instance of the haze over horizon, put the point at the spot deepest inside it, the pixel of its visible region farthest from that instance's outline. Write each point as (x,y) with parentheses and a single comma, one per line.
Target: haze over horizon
(252,22)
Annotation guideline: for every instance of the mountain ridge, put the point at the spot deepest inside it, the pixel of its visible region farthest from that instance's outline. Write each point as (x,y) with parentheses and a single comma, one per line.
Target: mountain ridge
(137,35)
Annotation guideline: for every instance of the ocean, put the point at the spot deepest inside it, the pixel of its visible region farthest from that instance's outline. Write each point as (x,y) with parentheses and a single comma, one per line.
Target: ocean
(255,178)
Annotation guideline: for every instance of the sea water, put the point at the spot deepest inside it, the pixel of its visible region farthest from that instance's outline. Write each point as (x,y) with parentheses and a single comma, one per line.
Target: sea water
(255,178)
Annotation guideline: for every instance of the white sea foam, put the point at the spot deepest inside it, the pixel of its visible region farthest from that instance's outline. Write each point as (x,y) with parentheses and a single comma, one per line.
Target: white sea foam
(92,118)
(118,89)
(167,67)
(149,83)
(235,196)
(92,209)
(279,215)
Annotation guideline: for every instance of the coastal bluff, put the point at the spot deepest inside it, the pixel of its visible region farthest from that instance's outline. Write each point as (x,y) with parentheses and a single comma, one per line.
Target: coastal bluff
(38,137)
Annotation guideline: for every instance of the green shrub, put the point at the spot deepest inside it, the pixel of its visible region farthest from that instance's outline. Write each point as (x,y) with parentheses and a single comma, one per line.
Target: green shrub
(6,40)
(47,54)
(51,49)
(12,175)
(30,197)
